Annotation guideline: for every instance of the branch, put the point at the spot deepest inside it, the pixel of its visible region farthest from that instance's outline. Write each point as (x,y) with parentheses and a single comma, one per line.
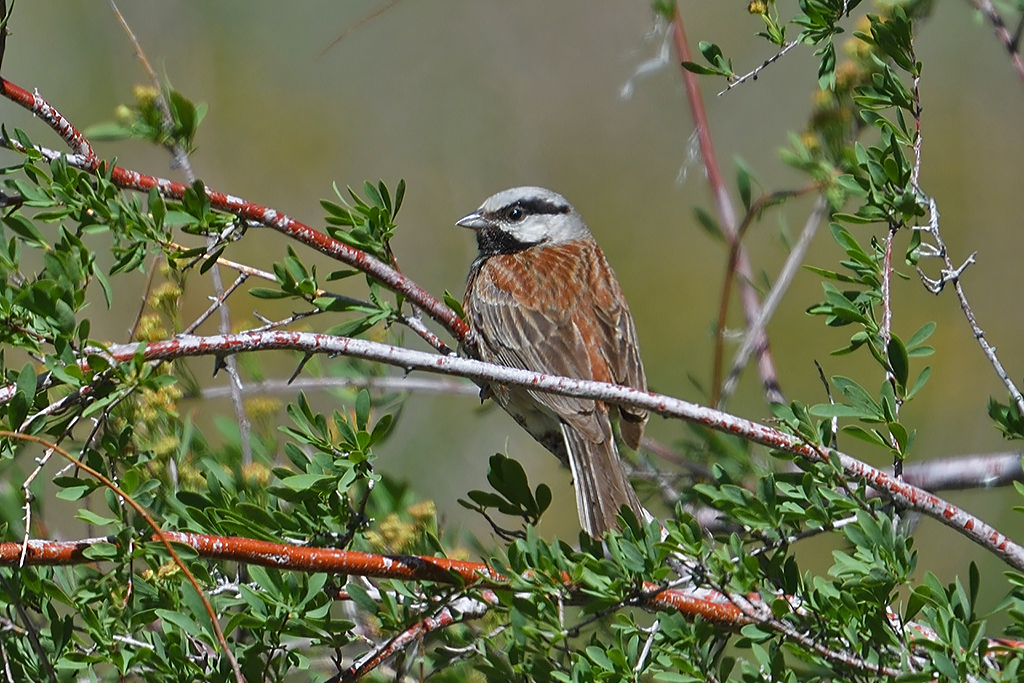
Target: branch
(708,605)
(964,472)
(1011,43)
(771,302)
(952,274)
(756,71)
(427,385)
(458,611)
(726,216)
(309,343)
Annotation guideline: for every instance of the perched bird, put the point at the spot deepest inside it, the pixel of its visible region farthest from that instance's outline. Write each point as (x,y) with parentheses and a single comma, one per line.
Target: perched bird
(541,296)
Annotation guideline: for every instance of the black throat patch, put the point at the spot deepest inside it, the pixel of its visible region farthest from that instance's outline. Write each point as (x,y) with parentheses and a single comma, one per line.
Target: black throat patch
(494,241)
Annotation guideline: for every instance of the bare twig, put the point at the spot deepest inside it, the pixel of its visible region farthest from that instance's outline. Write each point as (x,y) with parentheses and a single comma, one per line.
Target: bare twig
(218,301)
(370,17)
(145,298)
(951,274)
(752,75)
(771,302)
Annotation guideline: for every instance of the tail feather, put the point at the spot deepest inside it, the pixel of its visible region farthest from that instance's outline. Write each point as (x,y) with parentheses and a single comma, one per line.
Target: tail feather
(602,487)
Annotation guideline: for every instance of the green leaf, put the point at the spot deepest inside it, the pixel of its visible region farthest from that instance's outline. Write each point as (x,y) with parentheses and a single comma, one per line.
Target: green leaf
(830,410)
(268,293)
(362,409)
(743,182)
(90,517)
(921,335)
(543,497)
(900,435)
(710,225)
(454,304)
(362,598)
(699,69)
(351,328)
(301,482)
(24,228)
(858,432)
(921,380)
(381,428)
(898,361)
(108,131)
(100,551)
(180,620)
(598,657)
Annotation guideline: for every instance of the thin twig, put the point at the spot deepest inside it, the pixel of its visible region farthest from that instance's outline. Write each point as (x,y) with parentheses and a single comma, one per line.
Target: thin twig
(752,75)
(1010,42)
(182,161)
(357,25)
(145,298)
(217,303)
(951,274)
(428,385)
(771,302)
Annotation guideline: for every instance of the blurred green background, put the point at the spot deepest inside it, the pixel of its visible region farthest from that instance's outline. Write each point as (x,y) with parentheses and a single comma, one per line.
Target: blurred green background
(463,99)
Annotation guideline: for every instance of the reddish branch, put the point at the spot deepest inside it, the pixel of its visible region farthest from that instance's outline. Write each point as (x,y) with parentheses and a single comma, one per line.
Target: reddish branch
(296,558)
(728,611)
(727,216)
(244,209)
(707,604)
(1010,42)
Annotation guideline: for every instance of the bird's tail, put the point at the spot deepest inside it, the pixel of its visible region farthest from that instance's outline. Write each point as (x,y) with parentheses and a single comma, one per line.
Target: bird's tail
(602,487)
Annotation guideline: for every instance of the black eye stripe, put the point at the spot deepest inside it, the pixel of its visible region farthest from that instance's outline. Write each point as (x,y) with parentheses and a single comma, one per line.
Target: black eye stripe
(538,206)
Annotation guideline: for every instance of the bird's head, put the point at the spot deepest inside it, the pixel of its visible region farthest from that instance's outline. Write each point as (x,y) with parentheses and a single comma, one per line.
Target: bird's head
(522,217)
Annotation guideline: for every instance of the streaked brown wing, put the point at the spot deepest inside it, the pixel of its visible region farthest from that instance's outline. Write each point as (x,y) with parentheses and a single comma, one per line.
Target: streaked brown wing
(530,311)
(515,334)
(621,349)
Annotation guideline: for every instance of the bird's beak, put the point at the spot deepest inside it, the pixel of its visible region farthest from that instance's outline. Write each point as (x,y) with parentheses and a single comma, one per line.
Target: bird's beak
(474,221)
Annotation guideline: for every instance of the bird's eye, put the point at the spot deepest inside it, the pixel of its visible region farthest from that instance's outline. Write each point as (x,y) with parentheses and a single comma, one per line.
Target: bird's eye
(514,214)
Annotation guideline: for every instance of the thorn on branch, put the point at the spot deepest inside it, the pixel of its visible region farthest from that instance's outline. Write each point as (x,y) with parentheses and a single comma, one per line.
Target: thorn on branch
(298,369)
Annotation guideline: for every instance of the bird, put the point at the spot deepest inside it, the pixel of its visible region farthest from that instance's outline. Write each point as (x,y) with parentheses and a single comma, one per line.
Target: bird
(541,296)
